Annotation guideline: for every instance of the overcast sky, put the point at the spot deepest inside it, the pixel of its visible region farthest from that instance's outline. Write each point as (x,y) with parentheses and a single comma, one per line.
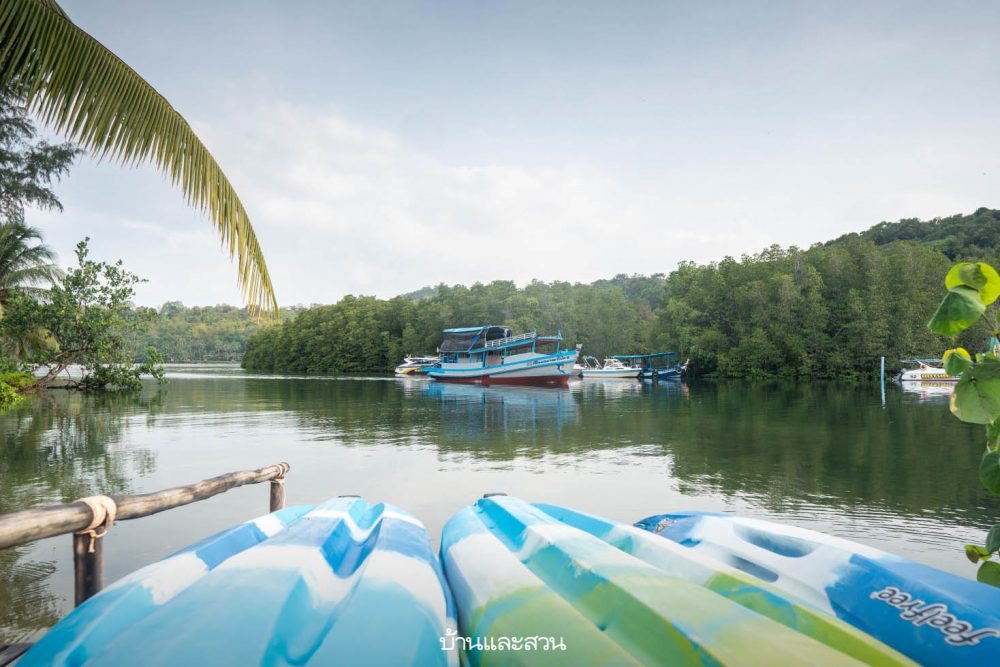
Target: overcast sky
(381,147)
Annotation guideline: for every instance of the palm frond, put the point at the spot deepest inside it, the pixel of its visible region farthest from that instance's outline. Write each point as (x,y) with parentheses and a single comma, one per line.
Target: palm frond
(81,89)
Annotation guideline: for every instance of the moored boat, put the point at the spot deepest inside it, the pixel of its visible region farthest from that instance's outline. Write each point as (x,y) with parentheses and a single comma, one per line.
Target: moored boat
(934,617)
(492,355)
(673,372)
(412,366)
(655,366)
(925,370)
(612,368)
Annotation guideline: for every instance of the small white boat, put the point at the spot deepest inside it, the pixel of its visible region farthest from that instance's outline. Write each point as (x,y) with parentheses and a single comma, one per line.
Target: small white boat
(585,363)
(924,372)
(613,368)
(416,366)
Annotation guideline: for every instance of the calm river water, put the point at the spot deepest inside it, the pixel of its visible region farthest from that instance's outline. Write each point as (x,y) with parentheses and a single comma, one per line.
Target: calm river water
(829,457)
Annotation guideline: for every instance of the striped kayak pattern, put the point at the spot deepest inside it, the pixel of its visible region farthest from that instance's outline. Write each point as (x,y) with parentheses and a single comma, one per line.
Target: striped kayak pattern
(615,595)
(934,617)
(342,583)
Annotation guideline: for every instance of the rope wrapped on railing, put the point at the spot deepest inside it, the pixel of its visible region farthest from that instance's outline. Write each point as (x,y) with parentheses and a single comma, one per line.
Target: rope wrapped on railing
(104,510)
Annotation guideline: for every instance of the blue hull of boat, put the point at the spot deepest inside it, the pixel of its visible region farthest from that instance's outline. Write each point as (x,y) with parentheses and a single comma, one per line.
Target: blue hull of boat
(342,583)
(934,617)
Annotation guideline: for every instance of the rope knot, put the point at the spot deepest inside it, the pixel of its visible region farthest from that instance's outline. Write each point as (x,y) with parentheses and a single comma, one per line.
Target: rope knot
(102,514)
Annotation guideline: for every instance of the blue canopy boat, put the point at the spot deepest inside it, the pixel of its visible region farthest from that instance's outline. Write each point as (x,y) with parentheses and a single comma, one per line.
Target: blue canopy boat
(655,366)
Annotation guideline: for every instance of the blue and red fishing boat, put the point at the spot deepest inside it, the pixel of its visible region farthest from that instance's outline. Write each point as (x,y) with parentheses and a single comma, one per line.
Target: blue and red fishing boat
(490,354)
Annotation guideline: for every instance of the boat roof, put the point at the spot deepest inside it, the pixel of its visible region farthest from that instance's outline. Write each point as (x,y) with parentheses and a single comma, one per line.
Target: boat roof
(921,361)
(642,356)
(491,337)
(465,329)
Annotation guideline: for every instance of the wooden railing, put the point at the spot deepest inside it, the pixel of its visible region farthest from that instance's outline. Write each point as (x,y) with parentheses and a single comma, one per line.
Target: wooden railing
(510,339)
(76,517)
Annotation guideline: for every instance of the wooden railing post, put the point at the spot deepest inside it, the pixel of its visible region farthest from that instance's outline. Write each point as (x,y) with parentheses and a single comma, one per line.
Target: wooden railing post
(88,567)
(278,490)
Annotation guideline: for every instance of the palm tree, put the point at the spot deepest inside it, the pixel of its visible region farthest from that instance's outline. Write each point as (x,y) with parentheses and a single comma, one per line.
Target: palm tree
(24,265)
(82,90)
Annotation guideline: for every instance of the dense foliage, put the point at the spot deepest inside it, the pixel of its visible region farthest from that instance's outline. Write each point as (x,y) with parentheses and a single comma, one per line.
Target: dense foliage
(828,311)
(972,288)
(198,334)
(85,319)
(367,334)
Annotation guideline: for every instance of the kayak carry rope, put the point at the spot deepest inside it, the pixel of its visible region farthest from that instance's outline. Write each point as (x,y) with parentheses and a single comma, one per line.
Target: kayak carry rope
(103,510)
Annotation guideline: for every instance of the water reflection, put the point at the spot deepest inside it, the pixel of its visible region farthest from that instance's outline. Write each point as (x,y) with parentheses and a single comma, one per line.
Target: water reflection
(60,448)
(929,390)
(472,416)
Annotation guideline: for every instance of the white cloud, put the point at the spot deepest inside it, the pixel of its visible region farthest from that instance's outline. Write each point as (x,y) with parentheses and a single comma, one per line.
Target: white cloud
(341,207)
(345,208)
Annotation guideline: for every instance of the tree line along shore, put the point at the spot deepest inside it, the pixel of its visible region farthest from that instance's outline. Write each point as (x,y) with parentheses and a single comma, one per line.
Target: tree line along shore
(829,311)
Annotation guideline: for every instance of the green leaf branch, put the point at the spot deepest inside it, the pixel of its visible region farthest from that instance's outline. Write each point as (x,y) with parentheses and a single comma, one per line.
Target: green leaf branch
(972,288)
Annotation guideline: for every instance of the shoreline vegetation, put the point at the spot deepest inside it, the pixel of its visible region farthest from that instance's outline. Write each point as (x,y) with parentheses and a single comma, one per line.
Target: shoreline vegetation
(829,311)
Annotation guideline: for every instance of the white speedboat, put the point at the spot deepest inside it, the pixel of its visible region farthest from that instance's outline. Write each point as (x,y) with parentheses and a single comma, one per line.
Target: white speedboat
(612,368)
(924,371)
(416,366)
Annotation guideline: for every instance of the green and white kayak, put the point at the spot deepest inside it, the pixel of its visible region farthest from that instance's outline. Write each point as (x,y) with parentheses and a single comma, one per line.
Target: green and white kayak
(546,585)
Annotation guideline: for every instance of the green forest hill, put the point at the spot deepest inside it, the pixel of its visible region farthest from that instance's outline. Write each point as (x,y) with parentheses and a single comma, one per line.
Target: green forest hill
(828,311)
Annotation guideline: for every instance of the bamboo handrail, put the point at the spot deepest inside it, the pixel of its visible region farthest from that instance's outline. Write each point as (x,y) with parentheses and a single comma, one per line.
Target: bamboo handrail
(36,524)
(42,522)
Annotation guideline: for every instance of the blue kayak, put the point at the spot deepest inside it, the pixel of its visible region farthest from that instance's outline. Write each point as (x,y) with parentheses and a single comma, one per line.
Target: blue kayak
(934,617)
(342,583)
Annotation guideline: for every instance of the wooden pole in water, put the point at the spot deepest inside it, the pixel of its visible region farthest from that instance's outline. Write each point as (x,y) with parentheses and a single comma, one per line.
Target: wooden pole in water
(882,380)
(277,494)
(88,567)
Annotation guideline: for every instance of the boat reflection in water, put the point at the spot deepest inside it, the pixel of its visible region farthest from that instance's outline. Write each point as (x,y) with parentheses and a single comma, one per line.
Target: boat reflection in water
(610,387)
(928,390)
(480,414)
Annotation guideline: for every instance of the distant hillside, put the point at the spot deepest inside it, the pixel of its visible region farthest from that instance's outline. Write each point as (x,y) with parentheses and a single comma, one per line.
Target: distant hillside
(958,237)
(422,293)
